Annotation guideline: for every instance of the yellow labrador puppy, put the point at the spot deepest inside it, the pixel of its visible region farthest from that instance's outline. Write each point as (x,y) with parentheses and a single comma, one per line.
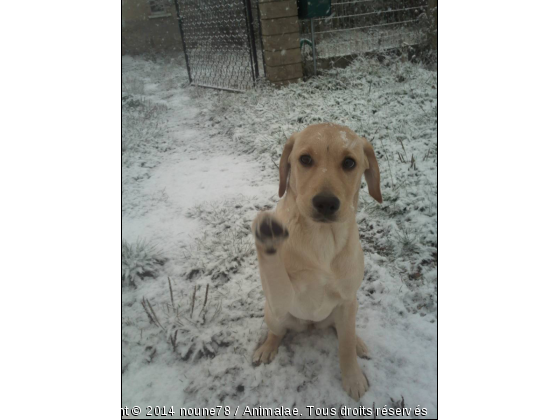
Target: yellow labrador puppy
(310,259)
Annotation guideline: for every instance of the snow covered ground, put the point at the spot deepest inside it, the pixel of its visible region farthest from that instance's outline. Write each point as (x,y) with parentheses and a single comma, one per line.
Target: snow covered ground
(197,166)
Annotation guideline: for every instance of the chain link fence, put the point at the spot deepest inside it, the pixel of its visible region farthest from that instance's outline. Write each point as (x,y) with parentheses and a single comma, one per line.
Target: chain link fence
(364,26)
(220,42)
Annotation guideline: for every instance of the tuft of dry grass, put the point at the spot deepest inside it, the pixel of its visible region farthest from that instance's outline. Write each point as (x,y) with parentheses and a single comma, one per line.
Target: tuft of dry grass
(185,323)
(138,261)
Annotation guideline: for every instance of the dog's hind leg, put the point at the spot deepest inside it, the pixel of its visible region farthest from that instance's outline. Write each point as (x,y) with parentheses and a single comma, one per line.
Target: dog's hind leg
(268,350)
(353,380)
(361,348)
(277,328)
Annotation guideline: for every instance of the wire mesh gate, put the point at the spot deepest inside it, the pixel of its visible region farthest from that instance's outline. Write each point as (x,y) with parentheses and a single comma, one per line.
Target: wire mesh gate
(219,42)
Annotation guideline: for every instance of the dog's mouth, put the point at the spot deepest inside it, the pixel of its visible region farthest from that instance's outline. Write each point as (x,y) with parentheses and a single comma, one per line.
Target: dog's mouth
(319,218)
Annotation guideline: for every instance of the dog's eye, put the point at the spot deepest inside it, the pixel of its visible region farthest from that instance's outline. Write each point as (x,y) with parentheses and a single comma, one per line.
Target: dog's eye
(348,163)
(306,160)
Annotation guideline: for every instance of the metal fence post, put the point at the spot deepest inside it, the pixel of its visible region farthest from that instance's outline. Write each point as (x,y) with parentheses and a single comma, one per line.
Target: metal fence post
(251,33)
(433,14)
(180,21)
(260,36)
(313,46)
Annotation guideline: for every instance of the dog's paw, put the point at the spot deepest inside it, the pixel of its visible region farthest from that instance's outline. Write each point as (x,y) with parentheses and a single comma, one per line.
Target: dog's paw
(355,383)
(264,354)
(269,232)
(361,348)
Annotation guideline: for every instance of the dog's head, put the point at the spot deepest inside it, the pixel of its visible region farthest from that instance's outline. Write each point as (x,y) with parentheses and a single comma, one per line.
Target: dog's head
(325,163)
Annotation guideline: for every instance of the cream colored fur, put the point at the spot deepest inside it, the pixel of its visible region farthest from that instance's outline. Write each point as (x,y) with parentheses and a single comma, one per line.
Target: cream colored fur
(310,270)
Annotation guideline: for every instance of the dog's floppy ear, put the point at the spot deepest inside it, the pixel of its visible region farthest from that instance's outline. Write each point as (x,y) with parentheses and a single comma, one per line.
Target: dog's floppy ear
(285,165)
(372,172)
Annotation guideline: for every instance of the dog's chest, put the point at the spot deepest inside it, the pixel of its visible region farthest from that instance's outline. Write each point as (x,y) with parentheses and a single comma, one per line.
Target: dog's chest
(316,295)
(319,291)
(323,271)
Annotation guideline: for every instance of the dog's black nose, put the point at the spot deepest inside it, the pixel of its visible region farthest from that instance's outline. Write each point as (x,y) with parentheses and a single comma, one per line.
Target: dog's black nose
(327,205)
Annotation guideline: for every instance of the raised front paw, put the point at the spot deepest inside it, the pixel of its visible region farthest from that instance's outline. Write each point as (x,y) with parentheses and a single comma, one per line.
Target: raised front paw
(355,383)
(269,232)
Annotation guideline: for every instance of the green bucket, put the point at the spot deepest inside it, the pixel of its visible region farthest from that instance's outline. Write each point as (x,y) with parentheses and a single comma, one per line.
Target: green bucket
(308,9)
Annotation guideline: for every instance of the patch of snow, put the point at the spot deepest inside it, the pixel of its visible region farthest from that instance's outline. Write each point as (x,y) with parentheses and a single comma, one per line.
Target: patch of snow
(344,138)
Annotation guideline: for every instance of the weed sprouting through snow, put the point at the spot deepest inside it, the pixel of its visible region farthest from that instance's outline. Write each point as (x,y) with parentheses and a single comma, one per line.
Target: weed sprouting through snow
(408,241)
(139,260)
(186,322)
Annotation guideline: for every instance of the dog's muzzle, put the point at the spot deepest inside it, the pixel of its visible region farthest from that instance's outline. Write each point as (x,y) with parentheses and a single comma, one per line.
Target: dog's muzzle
(326,206)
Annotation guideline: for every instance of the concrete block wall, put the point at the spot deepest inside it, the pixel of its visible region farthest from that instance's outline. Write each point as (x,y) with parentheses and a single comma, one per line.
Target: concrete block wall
(280,37)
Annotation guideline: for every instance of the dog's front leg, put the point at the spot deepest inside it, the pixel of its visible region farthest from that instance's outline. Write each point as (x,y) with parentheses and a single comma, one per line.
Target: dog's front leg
(354,381)
(270,236)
